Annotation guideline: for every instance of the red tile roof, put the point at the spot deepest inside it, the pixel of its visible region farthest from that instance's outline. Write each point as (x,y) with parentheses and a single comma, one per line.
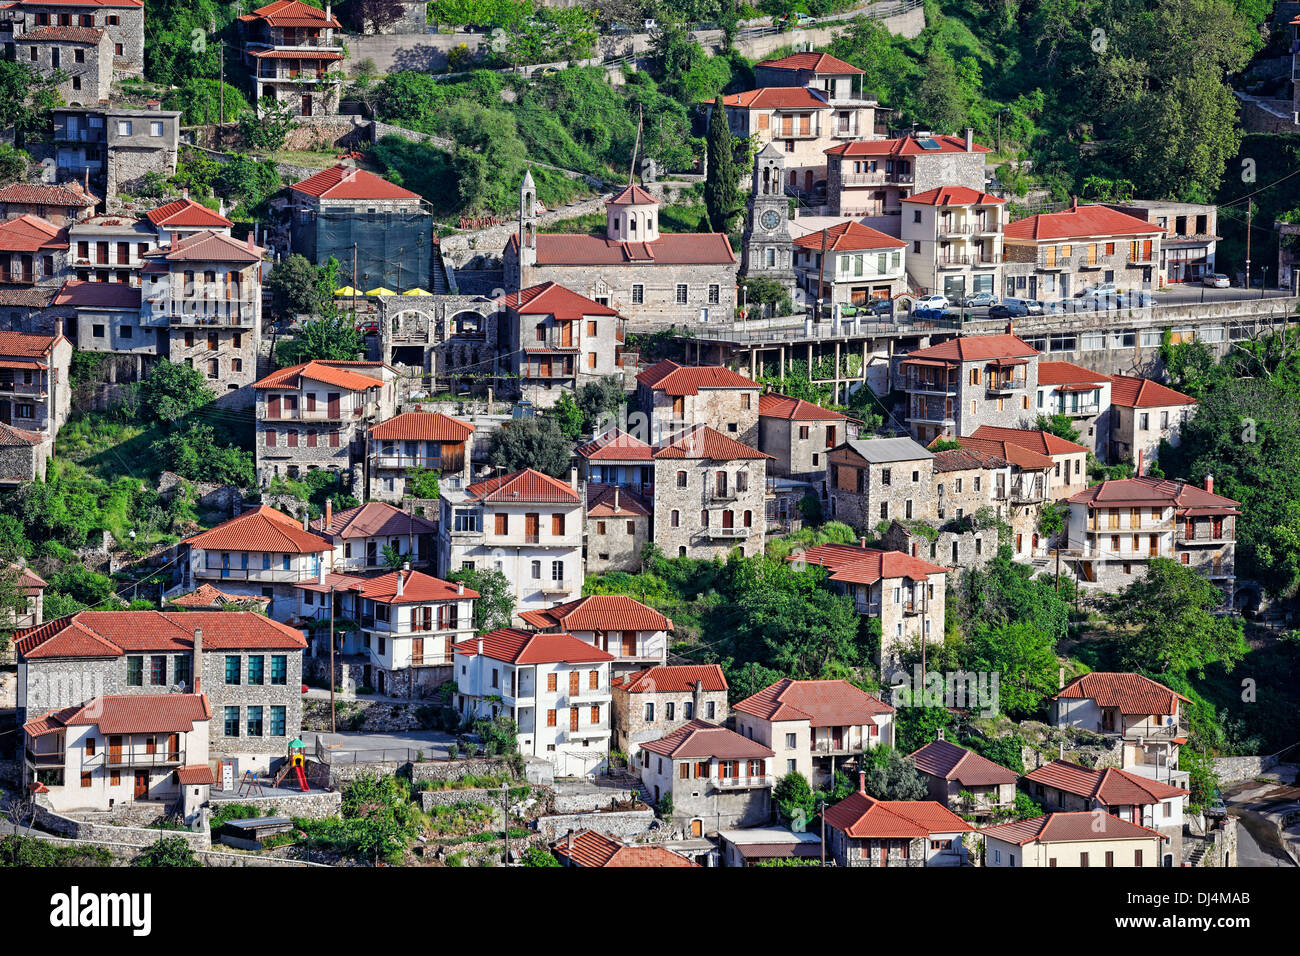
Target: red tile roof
(1132,392)
(44,194)
(187,213)
(616,445)
(1109,787)
(515,645)
(966,459)
(29,233)
(195,775)
(701,441)
(1043,442)
(1081,826)
(330,373)
(943,759)
(599,612)
(812,60)
(1130,693)
(610,501)
(1080,222)
(76,3)
(669,377)
(850,563)
(26,344)
(1138,492)
(262,529)
(371,519)
(348,182)
(905,146)
(422,426)
(292,13)
(98,295)
(1067,373)
(208,597)
(521,486)
(676,678)
(113,633)
(697,738)
(295,54)
(777,98)
(587,848)
(776,405)
(670,249)
(953,196)
(417,587)
(632,195)
(976,348)
(823,703)
(1010,452)
(551,298)
(131,714)
(61,34)
(207,246)
(849,237)
(11,437)
(861,816)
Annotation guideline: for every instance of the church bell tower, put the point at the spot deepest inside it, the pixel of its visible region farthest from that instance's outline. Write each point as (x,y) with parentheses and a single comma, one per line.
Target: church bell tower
(767,250)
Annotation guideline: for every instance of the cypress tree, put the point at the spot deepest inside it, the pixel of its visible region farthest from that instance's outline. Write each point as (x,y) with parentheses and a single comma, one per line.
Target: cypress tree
(722,182)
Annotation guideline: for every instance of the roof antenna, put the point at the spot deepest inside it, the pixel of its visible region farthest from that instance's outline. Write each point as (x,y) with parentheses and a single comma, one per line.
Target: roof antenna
(636,145)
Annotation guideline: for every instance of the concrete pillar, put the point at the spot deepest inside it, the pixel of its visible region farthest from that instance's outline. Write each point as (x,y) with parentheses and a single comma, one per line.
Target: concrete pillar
(783,363)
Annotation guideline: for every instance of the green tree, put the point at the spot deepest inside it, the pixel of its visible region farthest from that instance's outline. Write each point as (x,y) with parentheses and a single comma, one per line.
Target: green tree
(536,442)
(13,164)
(940,101)
(167,851)
(568,415)
(495,606)
(891,776)
(537,856)
(1167,622)
(1025,658)
(295,288)
(328,338)
(194,453)
(202,101)
(794,800)
(268,127)
(1059,424)
(172,390)
(423,483)
(722,180)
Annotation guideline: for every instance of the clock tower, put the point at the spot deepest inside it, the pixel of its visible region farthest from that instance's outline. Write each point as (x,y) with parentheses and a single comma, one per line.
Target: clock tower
(767,251)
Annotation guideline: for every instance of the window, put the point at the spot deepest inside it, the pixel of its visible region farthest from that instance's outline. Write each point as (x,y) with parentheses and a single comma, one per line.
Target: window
(670,711)
(232,722)
(97,331)
(277,721)
(123,127)
(232,669)
(85,778)
(714,294)
(182,669)
(675,520)
(649,713)
(135,671)
(791,741)
(254,721)
(256,669)
(638,294)
(681,293)
(90,746)
(557,525)
(550,718)
(158,669)
(551,682)
(79,56)
(681,479)
(155,129)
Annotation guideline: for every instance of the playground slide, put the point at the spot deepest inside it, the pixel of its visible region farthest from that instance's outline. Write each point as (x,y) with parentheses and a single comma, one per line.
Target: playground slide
(302,777)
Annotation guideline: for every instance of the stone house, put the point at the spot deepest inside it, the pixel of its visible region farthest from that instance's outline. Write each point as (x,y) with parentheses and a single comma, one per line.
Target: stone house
(958,545)
(115,146)
(33,586)
(1061,785)
(121,20)
(362,534)
(954,241)
(105,317)
(715,777)
(1071,839)
(677,397)
(618,528)
(316,415)
(800,436)
(618,458)
(872,177)
(1143,414)
(557,341)
(635,635)
(247,665)
(966,480)
(864,831)
(714,491)
(1146,716)
(1069,473)
(905,594)
(204,292)
(652,703)
(1020,501)
(1054,255)
(417,439)
(60,205)
(840,83)
(35,393)
(1116,527)
(814,727)
(260,553)
(120,749)
(182,218)
(962,780)
(956,386)
(862,265)
(110,248)
(24,456)
(1082,394)
(33,251)
(406,624)
(294,56)
(654,279)
(554,686)
(376,229)
(526,525)
(1187,249)
(81,56)
(589,848)
(876,480)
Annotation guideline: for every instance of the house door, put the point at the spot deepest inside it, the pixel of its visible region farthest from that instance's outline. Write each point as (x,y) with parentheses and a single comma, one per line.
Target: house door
(333,399)
(380,684)
(173,748)
(532,526)
(884,853)
(114,751)
(573,683)
(273,407)
(697,828)
(728,520)
(573,719)
(1033,287)
(141,784)
(225,564)
(306,104)
(837,738)
(629,643)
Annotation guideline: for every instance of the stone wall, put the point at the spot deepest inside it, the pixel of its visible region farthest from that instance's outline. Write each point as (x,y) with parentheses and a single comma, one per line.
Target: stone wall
(449,798)
(1234,769)
(458,249)
(311,806)
(621,823)
(76,829)
(588,801)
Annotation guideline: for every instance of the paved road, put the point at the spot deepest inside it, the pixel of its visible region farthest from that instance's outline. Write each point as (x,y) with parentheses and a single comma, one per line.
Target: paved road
(1257,837)
(393,746)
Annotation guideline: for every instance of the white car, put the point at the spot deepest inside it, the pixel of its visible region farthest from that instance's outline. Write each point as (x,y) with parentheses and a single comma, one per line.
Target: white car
(1106,288)
(932,302)
(1216,280)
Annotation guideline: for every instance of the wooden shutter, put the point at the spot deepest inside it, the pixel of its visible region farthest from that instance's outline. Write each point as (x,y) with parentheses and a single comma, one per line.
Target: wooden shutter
(502,523)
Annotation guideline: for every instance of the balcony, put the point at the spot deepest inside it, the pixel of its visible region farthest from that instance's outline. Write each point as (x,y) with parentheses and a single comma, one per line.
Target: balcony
(1005,386)
(742,783)
(1198,535)
(956,229)
(791,133)
(440,463)
(877,178)
(46,760)
(320,414)
(430,660)
(23,389)
(18,276)
(255,574)
(963,260)
(912,608)
(144,755)
(729,493)
(923,387)
(726,534)
(828,748)
(558,587)
(191,312)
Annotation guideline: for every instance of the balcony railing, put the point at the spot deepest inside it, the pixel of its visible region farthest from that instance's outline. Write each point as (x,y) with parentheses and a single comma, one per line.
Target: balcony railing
(46,760)
(430,660)
(878,178)
(557,587)
(140,755)
(27,390)
(1006,384)
(255,574)
(741,783)
(726,533)
(394,460)
(320,414)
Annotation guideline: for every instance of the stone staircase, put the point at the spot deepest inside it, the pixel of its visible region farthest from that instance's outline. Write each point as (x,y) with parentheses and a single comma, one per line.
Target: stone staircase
(1198,853)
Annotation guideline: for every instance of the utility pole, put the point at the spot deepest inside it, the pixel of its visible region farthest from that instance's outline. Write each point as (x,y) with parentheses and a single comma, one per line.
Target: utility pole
(1058,570)
(1249,204)
(333,726)
(823,816)
(505,822)
(221,83)
(354,283)
(821,287)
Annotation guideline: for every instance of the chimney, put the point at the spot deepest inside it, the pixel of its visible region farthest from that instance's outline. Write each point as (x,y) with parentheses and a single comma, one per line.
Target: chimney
(58,328)
(616,499)
(197,667)
(862,542)
(400,583)
(970,140)
(250,242)
(1074,203)
(573,477)
(1139,463)
(1209,484)
(480,647)
(329,512)
(1060,750)
(569,854)
(940,737)
(1060,678)
(306,520)
(460,587)
(320,572)
(697,695)
(862,782)
(185,193)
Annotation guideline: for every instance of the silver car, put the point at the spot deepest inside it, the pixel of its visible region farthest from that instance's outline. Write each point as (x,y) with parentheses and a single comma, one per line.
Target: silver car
(1216,280)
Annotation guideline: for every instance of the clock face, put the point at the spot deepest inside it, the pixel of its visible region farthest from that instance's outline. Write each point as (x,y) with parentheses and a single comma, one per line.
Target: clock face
(771,219)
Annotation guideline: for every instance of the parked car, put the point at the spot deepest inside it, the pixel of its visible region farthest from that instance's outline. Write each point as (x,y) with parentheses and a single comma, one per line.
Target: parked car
(1004,310)
(1106,288)
(1031,306)
(935,301)
(981,299)
(880,307)
(1136,299)
(1216,280)
(1052,307)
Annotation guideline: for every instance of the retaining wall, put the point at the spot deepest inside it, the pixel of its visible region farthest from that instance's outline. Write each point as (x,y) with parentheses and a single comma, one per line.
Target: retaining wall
(622,823)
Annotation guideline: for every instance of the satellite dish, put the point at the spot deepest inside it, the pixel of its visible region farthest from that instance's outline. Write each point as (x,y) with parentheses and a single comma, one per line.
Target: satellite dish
(178,687)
